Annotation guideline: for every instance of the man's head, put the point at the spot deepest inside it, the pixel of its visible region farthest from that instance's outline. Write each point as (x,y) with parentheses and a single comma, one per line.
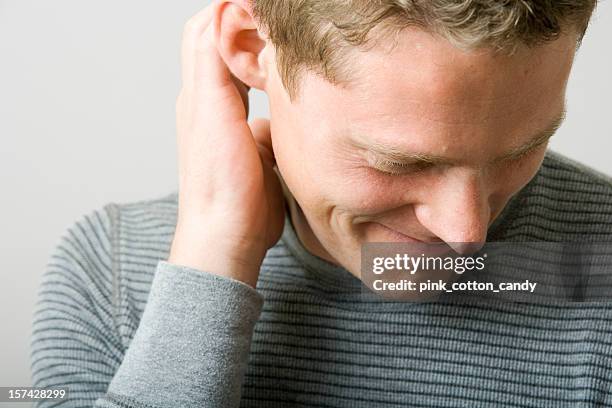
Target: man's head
(419,117)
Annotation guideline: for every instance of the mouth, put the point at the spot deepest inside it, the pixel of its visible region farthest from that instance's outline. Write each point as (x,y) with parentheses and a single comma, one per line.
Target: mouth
(396,235)
(431,248)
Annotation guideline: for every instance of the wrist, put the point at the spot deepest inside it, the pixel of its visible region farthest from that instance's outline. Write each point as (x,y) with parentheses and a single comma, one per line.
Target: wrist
(205,251)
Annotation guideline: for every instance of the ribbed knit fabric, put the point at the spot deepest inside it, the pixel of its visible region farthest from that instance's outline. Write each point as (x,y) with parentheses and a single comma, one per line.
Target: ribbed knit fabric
(121,327)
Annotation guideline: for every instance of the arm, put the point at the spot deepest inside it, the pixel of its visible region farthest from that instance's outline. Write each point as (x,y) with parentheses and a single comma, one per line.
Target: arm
(192,343)
(190,348)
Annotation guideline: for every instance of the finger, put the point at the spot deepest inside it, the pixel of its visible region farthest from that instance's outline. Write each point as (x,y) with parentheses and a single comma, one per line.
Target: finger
(193,34)
(243,89)
(205,73)
(260,128)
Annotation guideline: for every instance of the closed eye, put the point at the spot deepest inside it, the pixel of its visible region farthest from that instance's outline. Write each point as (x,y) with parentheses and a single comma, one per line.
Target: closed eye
(524,154)
(397,169)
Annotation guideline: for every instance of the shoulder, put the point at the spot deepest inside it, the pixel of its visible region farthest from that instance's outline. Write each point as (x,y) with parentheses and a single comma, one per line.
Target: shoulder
(561,167)
(143,227)
(142,233)
(566,201)
(92,293)
(574,185)
(105,261)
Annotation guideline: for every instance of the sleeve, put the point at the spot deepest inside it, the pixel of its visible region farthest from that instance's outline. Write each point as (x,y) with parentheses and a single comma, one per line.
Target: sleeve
(190,349)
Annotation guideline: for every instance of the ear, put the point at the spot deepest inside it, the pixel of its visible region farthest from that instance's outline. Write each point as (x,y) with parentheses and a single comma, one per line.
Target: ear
(239,42)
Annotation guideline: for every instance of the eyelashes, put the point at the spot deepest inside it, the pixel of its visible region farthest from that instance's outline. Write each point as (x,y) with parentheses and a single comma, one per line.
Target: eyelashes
(398,169)
(393,168)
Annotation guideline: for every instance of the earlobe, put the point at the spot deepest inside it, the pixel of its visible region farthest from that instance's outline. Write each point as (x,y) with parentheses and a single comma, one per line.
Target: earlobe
(239,42)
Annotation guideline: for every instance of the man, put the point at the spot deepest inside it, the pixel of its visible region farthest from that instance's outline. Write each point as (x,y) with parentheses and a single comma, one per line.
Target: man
(390,121)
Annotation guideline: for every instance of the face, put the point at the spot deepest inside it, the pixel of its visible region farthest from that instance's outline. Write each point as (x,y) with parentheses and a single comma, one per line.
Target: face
(427,143)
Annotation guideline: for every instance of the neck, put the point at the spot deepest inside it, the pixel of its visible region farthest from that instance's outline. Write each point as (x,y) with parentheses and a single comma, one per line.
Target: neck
(302,228)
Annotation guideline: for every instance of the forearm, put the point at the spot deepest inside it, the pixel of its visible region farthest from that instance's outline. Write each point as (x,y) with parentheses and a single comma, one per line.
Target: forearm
(191,347)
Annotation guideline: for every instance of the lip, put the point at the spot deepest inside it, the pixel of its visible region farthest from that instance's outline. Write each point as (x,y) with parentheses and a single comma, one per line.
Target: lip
(432,248)
(400,236)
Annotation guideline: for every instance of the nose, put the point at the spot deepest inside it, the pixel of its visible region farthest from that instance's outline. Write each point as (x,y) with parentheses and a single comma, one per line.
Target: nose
(458,212)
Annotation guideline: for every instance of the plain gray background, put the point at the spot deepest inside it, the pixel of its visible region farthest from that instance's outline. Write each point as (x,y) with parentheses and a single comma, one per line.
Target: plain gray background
(87,96)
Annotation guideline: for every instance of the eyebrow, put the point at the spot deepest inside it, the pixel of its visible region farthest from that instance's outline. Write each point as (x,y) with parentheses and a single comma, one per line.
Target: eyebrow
(391,153)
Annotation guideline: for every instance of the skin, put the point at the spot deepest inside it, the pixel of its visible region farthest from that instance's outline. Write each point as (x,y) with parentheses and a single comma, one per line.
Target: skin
(423,96)
(471,107)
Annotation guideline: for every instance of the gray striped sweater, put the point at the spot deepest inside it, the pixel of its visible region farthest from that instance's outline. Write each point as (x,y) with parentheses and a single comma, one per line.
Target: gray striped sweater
(120,327)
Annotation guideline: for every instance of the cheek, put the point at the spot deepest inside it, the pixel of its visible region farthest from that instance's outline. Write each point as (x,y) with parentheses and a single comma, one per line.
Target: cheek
(361,190)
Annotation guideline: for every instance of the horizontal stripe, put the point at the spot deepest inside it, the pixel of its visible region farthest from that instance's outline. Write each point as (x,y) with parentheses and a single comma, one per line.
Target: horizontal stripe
(318,343)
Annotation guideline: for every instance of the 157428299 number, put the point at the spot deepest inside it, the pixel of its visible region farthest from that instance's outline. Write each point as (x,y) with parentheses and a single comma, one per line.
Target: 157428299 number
(25,394)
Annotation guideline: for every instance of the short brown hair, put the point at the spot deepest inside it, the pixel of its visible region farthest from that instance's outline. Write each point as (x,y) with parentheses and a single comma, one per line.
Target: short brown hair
(311,34)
